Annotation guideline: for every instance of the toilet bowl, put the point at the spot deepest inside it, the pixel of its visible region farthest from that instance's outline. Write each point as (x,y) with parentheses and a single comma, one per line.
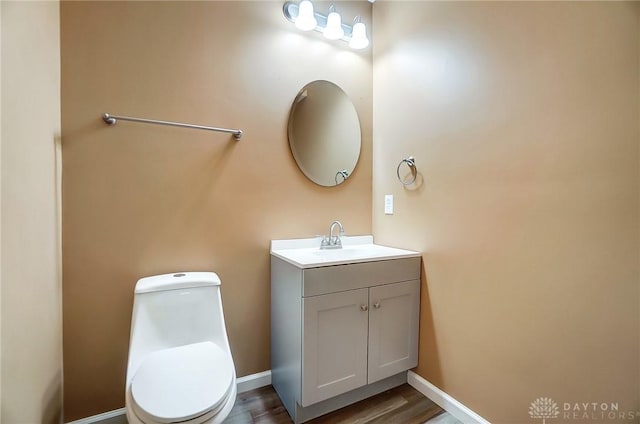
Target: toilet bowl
(180,368)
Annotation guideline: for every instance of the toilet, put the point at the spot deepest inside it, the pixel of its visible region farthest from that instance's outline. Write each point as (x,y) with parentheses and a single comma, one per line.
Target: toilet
(180,368)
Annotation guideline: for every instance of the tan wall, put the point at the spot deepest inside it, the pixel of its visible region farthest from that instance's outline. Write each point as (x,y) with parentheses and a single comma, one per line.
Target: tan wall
(0,213)
(31,284)
(141,200)
(523,119)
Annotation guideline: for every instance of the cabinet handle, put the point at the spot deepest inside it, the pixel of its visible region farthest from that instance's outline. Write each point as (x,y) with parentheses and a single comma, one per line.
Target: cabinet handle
(376,305)
(364,308)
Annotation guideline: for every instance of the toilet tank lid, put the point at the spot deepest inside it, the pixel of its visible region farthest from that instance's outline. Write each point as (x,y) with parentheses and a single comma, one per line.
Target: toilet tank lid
(176,281)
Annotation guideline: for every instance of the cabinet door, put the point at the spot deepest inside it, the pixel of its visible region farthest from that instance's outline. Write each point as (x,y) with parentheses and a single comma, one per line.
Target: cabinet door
(393,329)
(334,344)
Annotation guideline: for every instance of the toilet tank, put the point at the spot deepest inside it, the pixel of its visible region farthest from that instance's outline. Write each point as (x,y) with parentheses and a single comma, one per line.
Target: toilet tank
(176,309)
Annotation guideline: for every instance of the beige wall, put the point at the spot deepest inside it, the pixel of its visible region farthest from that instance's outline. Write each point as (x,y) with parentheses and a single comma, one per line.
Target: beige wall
(0,213)
(523,119)
(141,200)
(31,288)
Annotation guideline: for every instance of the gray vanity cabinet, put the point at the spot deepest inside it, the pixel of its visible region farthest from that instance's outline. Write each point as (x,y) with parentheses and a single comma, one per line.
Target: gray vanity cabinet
(341,333)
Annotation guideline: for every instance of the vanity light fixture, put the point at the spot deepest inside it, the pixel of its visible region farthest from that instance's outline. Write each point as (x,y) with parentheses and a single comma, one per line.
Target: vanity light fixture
(305,18)
(333,30)
(359,38)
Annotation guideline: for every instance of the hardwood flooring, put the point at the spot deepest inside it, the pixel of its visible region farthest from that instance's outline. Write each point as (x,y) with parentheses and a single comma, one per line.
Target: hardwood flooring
(401,405)
(258,406)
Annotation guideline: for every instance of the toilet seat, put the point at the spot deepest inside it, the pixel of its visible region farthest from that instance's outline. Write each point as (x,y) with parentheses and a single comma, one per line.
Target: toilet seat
(182,383)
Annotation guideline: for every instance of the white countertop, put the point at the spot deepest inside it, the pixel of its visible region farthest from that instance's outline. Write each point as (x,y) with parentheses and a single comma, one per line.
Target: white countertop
(306,253)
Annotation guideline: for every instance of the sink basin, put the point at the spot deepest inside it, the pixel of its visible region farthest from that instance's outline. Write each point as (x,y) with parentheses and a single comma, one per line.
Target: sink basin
(306,253)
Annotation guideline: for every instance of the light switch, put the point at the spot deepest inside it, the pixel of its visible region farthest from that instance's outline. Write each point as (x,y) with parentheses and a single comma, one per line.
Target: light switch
(388,204)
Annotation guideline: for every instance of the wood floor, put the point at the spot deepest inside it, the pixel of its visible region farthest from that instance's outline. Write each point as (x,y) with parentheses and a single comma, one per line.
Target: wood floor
(401,405)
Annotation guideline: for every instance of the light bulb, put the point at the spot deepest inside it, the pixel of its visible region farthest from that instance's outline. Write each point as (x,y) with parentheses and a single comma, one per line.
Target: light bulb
(359,38)
(306,20)
(334,30)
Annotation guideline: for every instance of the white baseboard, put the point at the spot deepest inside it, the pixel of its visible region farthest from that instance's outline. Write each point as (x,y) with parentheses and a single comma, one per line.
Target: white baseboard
(254,381)
(115,416)
(246,383)
(445,401)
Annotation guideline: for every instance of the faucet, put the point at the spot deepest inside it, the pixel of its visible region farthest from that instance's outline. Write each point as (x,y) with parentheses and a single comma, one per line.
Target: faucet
(333,242)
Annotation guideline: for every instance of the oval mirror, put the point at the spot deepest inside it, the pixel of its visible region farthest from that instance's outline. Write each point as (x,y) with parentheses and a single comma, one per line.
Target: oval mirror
(324,133)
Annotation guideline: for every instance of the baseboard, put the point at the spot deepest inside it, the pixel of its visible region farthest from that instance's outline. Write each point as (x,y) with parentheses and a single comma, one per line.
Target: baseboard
(116,416)
(246,383)
(444,400)
(254,381)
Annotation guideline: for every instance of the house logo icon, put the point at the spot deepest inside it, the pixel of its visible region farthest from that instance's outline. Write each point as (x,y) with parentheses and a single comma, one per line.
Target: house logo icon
(544,408)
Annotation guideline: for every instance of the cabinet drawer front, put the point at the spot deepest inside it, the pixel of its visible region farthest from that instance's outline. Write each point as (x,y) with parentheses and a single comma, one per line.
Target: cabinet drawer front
(331,279)
(334,344)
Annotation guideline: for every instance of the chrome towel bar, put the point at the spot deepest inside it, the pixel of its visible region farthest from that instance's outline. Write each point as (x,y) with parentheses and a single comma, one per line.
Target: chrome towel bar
(112,119)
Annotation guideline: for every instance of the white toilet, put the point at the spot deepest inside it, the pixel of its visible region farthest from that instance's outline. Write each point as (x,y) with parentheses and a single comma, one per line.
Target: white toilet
(180,368)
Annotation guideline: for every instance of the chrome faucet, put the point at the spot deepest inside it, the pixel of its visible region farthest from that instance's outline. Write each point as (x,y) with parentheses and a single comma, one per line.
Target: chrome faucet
(331,241)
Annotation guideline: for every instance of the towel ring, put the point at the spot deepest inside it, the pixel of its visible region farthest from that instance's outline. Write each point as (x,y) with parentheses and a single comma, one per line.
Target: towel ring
(411,162)
(344,174)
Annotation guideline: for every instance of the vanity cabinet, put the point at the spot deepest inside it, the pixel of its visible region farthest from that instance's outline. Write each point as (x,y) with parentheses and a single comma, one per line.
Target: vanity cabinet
(342,333)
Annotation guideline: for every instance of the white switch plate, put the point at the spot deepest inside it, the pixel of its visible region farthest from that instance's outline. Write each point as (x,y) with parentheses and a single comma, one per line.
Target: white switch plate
(388,204)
